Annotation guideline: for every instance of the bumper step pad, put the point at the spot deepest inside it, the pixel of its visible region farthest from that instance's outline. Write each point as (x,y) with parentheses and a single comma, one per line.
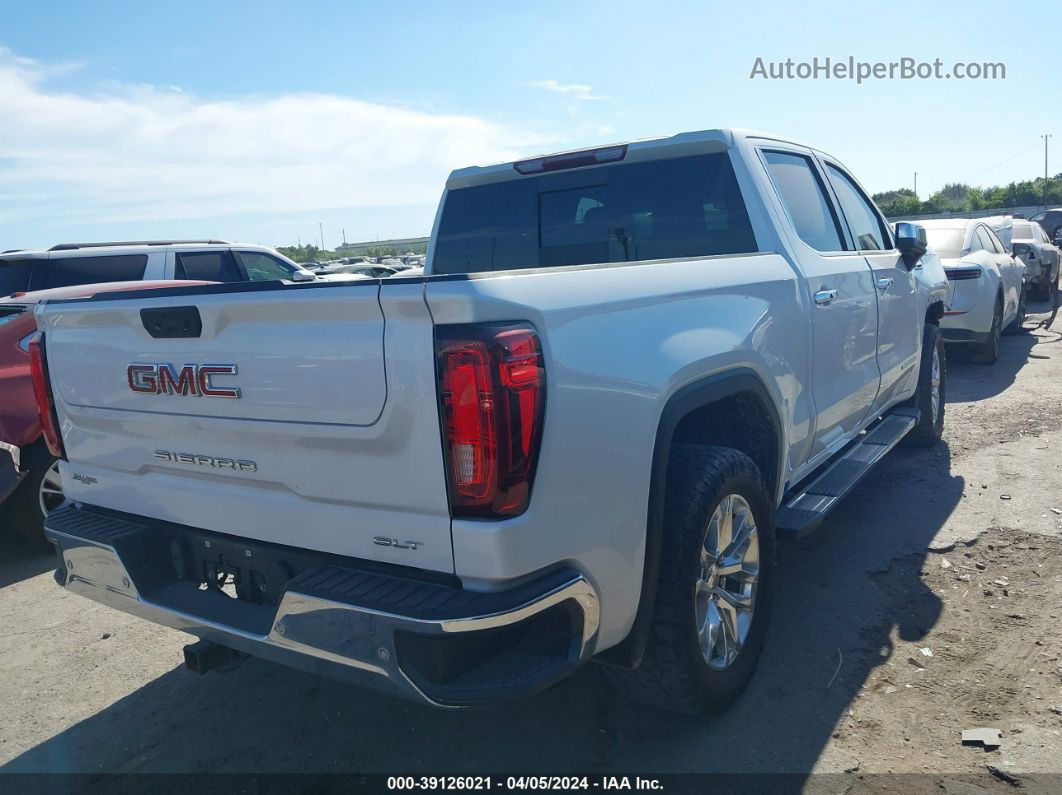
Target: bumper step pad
(405,632)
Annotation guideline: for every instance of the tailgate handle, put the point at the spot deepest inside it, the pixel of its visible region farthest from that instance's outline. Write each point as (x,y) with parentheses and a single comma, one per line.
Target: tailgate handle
(172,322)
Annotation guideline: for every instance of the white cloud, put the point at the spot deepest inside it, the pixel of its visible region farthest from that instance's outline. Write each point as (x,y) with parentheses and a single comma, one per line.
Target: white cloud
(136,152)
(577,91)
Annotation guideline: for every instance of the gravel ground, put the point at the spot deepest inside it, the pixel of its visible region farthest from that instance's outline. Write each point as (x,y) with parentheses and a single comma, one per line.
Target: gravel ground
(956,550)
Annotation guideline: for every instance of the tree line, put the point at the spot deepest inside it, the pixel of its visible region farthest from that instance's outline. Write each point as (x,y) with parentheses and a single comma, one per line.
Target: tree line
(961,198)
(311,253)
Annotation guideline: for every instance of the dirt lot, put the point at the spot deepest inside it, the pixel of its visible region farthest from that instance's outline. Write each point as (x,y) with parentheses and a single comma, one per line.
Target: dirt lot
(928,604)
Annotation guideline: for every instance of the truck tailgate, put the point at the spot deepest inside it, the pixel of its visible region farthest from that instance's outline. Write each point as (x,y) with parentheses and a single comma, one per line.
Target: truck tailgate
(322,437)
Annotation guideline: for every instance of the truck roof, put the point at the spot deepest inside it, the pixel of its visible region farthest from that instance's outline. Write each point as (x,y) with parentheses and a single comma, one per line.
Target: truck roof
(698,142)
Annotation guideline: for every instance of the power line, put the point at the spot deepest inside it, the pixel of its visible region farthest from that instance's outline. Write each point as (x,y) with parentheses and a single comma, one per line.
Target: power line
(1003,162)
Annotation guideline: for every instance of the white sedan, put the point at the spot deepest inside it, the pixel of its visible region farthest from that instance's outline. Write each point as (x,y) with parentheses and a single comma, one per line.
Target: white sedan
(986,285)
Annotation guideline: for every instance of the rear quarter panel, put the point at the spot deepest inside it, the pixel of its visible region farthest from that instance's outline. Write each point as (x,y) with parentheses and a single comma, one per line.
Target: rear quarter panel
(618,342)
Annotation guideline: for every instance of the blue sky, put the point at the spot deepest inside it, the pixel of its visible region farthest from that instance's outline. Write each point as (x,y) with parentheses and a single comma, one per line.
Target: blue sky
(255,121)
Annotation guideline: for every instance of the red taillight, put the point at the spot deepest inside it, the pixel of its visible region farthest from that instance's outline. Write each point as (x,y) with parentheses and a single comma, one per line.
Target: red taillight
(42,391)
(492,386)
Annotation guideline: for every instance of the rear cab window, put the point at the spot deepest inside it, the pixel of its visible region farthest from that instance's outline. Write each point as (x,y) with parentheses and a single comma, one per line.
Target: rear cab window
(71,271)
(657,209)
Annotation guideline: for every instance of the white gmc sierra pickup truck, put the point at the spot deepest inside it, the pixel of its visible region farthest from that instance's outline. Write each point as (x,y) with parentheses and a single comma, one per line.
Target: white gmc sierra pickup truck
(624,371)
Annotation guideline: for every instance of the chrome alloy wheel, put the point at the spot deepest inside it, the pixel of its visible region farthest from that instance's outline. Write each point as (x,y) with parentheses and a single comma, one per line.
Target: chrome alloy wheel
(725,592)
(934,385)
(51,493)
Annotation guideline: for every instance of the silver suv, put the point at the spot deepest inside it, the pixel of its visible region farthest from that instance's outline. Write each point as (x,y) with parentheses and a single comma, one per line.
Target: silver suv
(69,264)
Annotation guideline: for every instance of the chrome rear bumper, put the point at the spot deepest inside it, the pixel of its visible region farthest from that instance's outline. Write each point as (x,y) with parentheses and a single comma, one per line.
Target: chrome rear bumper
(433,643)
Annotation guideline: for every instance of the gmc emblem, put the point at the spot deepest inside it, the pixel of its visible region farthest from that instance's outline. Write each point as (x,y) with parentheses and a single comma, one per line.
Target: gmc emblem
(192,379)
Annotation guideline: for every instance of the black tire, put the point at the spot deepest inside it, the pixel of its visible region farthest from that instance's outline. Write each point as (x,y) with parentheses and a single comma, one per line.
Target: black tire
(1017,326)
(930,427)
(674,674)
(987,352)
(22,510)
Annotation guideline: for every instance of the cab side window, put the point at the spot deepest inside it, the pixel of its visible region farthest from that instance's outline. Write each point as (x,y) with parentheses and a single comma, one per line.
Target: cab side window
(208,266)
(804,197)
(262,267)
(868,230)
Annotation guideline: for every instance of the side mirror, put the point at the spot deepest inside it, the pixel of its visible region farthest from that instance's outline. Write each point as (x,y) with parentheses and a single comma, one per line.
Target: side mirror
(302,276)
(911,241)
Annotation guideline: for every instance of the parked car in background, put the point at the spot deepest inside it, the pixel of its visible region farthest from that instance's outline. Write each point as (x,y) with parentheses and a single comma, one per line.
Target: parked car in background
(1051,221)
(30,486)
(10,469)
(94,263)
(368,270)
(986,290)
(373,271)
(1041,257)
(1003,226)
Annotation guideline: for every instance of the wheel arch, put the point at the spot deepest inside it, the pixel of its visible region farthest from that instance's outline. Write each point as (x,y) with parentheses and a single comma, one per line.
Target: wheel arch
(721,397)
(934,312)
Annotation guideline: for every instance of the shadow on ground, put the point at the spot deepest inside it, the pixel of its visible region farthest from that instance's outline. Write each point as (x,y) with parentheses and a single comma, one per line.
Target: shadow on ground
(970,381)
(832,625)
(19,560)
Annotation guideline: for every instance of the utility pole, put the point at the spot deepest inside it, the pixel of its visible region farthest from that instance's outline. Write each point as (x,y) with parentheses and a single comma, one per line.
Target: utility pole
(1045,137)
(344,235)
(320,227)
(916,185)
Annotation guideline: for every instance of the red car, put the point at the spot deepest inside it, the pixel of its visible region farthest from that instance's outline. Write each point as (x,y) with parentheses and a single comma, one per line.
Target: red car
(29,475)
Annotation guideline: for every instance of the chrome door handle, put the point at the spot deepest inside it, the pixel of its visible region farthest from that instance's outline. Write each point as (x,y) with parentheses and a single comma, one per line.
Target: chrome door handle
(885,284)
(824,297)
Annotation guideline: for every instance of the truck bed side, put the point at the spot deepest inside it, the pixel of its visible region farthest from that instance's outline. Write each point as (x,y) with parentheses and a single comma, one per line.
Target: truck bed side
(618,342)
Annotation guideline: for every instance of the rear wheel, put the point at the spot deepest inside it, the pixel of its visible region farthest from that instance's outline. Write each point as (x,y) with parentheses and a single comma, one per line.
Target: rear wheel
(987,352)
(714,594)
